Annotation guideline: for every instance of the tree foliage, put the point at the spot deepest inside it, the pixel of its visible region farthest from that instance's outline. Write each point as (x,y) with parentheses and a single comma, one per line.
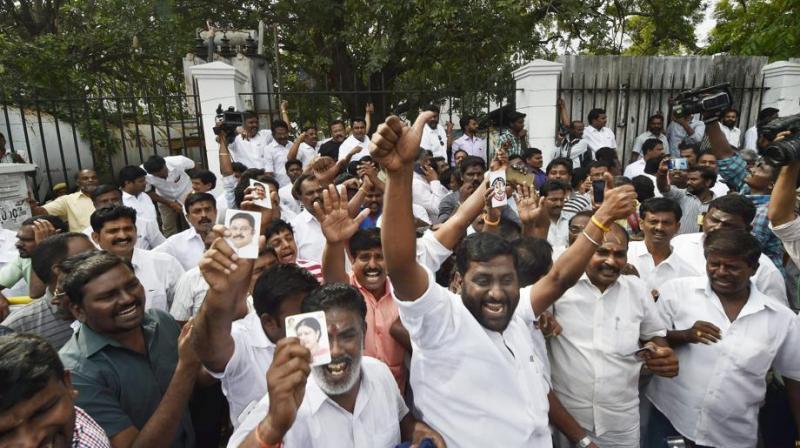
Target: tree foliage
(757,27)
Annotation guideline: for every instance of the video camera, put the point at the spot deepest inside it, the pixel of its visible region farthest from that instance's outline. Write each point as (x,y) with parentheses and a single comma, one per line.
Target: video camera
(227,121)
(702,100)
(786,150)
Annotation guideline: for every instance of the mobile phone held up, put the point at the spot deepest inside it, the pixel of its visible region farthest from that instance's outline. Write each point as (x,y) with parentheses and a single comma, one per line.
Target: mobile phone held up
(598,190)
(679,163)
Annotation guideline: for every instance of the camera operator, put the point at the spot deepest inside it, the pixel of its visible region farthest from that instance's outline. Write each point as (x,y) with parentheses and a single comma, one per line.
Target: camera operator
(783,219)
(250,146)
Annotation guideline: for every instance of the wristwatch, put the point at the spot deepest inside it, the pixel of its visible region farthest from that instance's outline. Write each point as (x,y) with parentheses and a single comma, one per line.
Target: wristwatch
(584,442)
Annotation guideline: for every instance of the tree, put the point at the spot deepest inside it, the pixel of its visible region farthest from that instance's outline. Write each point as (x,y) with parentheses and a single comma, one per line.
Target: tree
(756,27)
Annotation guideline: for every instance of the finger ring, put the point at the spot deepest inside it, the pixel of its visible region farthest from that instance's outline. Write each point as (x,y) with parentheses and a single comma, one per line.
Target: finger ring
(699,334)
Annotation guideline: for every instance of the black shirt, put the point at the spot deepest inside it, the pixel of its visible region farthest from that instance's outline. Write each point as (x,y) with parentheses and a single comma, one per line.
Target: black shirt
(330,149)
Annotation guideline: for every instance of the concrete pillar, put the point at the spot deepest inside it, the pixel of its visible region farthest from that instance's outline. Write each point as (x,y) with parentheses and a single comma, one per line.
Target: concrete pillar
(218,83)
(537,96)
(783,80)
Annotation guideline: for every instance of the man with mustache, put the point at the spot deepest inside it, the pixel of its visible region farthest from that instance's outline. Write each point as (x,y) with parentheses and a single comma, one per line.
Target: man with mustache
(654,258)
(469,175)
(695,199)
(605,318)
(368,276)
(727,334)
(148,236)
(242,227)
(354,398)
(280,236)
(330,148)
(250,145)
(48,317)
(188,246)
(114,230)
(733,134)
(474,368)
(655,129)
(555,194)
(307,231)
(38,405)
(134,370)
(277,152)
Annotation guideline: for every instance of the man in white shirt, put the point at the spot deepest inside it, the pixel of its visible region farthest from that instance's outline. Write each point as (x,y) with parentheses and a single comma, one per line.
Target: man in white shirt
(428,192)
(434,137)
(469,142)
(597,135)
(167,175)
(651,149)
(727,336)
(555,194)
(473,356)
(307,231)
(234,344)
(305,148)
(188,246)
(731,212)
(277,152)
(358,139)
(204,181)
(765,115)
(148,236)
(684,130)
(288,202)
(655,129)
(605,318)
(133,183)
(115,231)
(654,258)
(732,133)
(354,397)
(250,145)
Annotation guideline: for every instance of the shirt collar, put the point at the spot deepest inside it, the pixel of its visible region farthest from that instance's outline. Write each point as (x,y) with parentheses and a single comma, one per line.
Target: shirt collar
(756,301)
(257,336)
(136,258)
(316,397)
(307,216)
(94,342)
(365,292)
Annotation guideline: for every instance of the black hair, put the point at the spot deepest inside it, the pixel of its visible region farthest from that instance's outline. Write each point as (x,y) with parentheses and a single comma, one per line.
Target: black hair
(78,270)
(608,155)
(560,161)
(336,296)
(765,115)
(278,124)
(553,185)
(481,247)
(246,216)
(238,167)
(278,283)
(108,213)
(277,226)
(579,176)
(705,173)
(729,109)
(651,166)
(650,144)
(248,114)
(50,252)
(661,205)
(365,239)
(154,164)
(469,162)
(194,198)
(684,146)
(595,113)
(510,230)
(292,162)
(706,153)
(205,176)
(584,213)
(463,122)
(311,323)
(335,122)
(735,204)
(446,176)
(644,186)
(299,183)
(527,153)
(103,189)
(130,173)
(733,243)
(621,180)
(534,259)
(355,120)
(654,116)
(57,222)
(27,364)
(458,151)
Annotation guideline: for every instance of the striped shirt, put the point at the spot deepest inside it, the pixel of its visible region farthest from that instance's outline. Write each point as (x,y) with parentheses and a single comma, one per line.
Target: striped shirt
(311,266)
(577,203)
(87,433)
(41,318)
(692,207)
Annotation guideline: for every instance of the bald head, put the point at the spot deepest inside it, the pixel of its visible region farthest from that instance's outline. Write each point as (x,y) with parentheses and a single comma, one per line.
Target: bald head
(87,181)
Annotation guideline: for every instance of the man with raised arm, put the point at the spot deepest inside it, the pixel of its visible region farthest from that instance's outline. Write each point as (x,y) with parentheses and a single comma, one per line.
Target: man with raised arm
(474,369)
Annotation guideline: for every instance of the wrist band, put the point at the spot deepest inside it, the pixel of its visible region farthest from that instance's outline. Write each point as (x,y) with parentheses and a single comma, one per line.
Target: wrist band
(590,239)
(487,221)
(599,225)
(262,443)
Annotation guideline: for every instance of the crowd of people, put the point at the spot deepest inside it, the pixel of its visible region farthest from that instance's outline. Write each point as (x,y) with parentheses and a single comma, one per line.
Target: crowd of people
(650,303)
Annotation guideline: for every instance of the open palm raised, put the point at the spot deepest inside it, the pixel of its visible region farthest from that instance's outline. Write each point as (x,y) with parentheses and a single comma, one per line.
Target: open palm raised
(335,220)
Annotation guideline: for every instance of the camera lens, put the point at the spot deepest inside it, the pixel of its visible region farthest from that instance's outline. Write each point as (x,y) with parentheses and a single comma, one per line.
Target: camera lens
(784,151)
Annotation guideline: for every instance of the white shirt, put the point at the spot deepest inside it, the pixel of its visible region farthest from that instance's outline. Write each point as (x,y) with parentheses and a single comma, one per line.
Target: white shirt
(252,152)
(142,204)
(768,278)
(428,195)
(733,135)
(306,153)
(148,235)
(635,169)
(434,140)
(720,188)
(466,382)
(159,273)
(430,252)
(222,206)
(9,253)
(244,380)
(351,142)
(473,146)
(789,234)
(558,233)
(654,276)
(321,423)
(751,138)
(228,190)
(276,161)
(288,202)
(594,372)
(308,237)
(177,184)
(604,138)
(645,136)
(186,246)
(715,399)
(189,295)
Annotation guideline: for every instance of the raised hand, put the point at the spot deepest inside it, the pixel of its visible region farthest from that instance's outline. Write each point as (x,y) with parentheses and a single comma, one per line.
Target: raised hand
(42,229)
(663,167)
(532,208)
(395,145)
(549,325)
(251,195)
(286,386)
(369,108)
(618,203)
(222,269)
(334,218)
(500,160)
(186,353)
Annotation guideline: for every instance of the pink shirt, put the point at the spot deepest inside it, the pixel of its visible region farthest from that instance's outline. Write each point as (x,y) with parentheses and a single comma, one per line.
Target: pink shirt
(378,342)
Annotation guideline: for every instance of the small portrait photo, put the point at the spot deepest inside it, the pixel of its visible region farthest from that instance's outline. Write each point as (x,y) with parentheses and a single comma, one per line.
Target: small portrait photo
(244,227)
(312,331)
(262,190)
(497,181)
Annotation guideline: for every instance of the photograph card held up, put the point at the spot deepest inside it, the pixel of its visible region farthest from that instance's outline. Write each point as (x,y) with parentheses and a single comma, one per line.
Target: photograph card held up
(312,331)
(244,227)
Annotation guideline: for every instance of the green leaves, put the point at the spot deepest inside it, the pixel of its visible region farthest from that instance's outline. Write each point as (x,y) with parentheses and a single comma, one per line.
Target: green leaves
(757,27)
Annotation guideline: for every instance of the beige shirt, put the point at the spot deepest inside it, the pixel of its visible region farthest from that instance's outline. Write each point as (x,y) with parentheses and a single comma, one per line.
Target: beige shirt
(76,208)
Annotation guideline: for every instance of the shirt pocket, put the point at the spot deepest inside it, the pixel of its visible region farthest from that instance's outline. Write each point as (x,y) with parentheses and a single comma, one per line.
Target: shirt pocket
(752,357)
(622,338)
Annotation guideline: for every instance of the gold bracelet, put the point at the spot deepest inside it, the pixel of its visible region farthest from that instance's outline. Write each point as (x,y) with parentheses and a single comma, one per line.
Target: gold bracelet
(487,221)
(599,225)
